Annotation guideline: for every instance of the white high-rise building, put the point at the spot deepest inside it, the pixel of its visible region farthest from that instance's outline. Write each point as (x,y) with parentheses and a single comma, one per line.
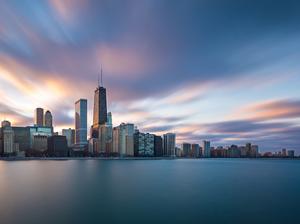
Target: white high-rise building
(8,137)
(169,142)
(70,136)
(206,148)
(123,139)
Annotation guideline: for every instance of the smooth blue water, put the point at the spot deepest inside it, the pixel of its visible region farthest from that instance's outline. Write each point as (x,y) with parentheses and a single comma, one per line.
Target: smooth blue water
(150,191)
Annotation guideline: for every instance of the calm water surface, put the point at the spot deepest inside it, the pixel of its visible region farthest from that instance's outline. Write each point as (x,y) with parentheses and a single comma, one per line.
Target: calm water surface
(150,191)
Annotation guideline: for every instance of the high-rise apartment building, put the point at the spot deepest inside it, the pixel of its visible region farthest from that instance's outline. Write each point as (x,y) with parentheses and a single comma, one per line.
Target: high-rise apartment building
(169,142)
(39,117)
(81,122)
(70,136)
(206,148)
(158,148)
(123,139)
(186,149)
(195,150)
(143,144)
(48,119)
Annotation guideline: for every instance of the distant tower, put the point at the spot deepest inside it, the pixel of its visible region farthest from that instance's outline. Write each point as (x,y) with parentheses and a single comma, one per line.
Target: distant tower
(48,119)
(39,117)
(169,142)
(81,121)
(206,148)
(100,109)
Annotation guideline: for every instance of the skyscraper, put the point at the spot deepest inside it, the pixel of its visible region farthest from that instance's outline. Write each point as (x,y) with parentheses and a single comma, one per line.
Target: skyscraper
(39,117)
(100,109)
(123,140)
(81,122)
(48,119)
(70,136)
(169,142)
(206,149)
(143,144)
(186,149)
(158,151)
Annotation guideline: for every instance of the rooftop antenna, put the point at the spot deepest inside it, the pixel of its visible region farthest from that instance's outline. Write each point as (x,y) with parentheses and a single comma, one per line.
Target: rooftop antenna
(101,77)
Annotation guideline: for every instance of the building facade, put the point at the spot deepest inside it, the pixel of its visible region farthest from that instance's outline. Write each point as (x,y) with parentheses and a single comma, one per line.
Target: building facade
(100,110)
(123,140)
(57,146)
(81,122)
(158,146)
(186,149)
(206,148)
(143,144)
(39,117)
(48,119)
(70,136)
(169,142)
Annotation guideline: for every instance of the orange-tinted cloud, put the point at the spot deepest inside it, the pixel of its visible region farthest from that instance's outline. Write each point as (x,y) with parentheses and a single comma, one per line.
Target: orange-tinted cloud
(270,110)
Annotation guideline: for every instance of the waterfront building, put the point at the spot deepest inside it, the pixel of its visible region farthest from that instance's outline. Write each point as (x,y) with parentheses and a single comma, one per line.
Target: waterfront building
(233,152)
(123,139)
(70,136)
(8,140)
(186,149)
(40,142)
(93,146)
(178,152)
(39,117)
(254,151)
(22,137)
(100,109)
(291,153)
(143,144)
(103,138)
(158,148)
(195,150)
(248,149)
(169,142)
(284,153)
(115,142)
(48,119)
(81,122)
(57,146)
(206,148)
(243,151)
(38,131)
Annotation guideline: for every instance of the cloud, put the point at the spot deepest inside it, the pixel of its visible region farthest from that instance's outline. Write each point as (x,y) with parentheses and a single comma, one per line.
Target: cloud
(271,110)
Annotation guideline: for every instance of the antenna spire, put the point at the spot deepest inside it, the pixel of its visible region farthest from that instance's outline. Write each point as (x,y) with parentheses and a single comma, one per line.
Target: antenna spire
(101,77)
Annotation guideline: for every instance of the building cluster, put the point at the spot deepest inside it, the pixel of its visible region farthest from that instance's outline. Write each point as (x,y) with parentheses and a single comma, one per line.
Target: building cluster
(284,153)
(124,140)
(105,140)
(204,150)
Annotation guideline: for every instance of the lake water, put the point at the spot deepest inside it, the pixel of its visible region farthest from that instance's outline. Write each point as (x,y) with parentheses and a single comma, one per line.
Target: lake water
(150,191)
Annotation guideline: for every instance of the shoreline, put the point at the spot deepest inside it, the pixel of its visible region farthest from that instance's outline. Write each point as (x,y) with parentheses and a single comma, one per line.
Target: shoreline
(130,158)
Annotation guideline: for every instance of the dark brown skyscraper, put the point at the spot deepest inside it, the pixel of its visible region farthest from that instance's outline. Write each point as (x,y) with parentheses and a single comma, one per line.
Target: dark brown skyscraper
(100,109)
(39,117)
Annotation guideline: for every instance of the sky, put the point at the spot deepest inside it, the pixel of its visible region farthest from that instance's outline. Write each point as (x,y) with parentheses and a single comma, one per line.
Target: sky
(224,71)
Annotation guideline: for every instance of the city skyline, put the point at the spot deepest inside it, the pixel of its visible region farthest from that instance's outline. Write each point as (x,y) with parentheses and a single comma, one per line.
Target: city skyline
(226,86)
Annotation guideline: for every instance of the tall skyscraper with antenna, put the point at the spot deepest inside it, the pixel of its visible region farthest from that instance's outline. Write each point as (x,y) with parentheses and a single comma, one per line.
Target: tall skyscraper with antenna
(100,108)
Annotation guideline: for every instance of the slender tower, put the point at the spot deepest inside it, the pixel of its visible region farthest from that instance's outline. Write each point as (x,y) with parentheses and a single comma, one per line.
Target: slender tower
(100,108)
